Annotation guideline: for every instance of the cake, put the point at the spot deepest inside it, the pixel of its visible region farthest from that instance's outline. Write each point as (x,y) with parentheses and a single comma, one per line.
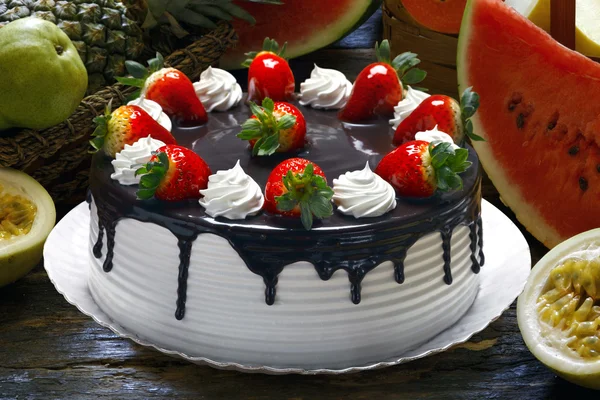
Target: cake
(244,285)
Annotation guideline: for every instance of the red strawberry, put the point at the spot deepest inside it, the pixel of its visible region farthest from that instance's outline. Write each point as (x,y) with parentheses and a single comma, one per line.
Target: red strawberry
(274,127)
(269,74)
(174,173)
(378,87)
(419,168)
(126,125)
(170,88)
(443,112)
(298,188)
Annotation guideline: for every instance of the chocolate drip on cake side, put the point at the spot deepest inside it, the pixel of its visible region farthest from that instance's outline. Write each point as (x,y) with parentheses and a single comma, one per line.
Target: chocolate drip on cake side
(267,254)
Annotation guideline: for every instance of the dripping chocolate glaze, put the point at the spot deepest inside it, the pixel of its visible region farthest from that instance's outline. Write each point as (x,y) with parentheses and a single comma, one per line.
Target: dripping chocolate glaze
(339,242)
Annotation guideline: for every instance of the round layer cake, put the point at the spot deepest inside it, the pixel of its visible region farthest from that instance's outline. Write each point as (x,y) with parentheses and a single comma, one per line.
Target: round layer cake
(264,291)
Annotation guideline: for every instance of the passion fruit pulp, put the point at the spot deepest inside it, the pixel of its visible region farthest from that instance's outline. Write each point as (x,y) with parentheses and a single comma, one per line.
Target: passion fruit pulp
(27,215)
(559,310)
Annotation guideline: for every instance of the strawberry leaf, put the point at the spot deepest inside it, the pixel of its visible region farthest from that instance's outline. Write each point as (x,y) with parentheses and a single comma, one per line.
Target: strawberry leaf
(136,70)
(405,61)
(413,76)
(152,174)
(265,127)
(308,191)
(447,164)
(269,145)
(383,51)
(469,103)
(268,104)
(136,82)
(306,216)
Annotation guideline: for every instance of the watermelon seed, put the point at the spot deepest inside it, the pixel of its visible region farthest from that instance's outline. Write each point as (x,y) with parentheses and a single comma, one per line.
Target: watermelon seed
(553,121)
(520,121)
(574,150)
(514,101)
(583,183)
(598,167)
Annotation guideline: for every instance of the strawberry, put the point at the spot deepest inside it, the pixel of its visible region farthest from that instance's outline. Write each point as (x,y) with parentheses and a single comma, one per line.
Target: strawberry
(274,127)
(126,125)
(298,188)
(444,112)
(378,87)
(170,88)
(174,173)
(269,74)
(419,168)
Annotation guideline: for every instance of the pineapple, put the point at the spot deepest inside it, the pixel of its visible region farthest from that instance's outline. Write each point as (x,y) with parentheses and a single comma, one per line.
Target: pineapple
(106,33)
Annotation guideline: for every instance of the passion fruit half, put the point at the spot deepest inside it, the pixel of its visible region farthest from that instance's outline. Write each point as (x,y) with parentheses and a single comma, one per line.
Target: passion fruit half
(27,215)
(559,310)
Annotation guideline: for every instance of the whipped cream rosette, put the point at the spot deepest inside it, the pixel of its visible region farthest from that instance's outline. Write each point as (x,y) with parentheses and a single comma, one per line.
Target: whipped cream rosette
(132,157)
(232,194)
(412,99)
(218,90)
(325,89)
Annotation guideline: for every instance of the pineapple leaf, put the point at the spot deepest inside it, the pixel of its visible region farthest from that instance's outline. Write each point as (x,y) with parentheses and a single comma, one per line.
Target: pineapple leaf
(238,12)
(196,19)
(212,11)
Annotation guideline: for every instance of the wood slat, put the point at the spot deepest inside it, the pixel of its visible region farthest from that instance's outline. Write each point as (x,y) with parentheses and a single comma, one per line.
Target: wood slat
(562,22)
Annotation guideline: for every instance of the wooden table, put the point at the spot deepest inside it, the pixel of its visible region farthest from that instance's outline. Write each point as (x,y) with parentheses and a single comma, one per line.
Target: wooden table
(49,350)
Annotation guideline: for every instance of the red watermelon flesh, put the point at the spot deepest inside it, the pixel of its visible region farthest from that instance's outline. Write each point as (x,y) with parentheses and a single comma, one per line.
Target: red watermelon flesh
(438,15)
(306,25)
(540,116)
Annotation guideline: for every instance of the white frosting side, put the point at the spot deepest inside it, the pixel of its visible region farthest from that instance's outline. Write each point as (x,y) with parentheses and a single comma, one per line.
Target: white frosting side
(435,135)
(363,194)
(232,194)
(218,90)
(411,100)
(326,89)
(128,160)
(154,110)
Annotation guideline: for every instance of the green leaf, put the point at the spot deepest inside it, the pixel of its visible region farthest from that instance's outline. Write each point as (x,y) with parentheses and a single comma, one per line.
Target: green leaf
(150,181)
(286,202)
(131,81)
(268,104)
(145,194)
(308,171)
(136,70)
(306,216)
(439,159)
(212,11)
(286,122)
(258,112)
(269,145)
(469,103)
(283,50)
(320,182)
(249,134)
(97,142)
(403,62)
(320,206)
(383,51)
(238,12)
(413,76)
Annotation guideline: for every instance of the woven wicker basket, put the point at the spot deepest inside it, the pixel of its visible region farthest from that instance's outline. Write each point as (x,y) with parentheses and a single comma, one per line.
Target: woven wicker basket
(438,50)
(58,157)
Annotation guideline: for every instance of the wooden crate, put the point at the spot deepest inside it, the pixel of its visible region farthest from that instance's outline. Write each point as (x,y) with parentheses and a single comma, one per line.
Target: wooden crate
(437,51)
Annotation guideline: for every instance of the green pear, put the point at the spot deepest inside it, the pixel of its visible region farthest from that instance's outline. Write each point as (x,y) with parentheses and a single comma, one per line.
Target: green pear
(42,76)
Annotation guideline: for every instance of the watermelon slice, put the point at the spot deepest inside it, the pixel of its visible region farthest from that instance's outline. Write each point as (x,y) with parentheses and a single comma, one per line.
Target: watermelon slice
(306,25)
(540,115)
(438,15)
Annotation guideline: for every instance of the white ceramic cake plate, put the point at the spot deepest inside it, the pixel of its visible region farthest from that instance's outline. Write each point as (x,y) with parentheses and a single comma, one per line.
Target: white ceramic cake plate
(503,277)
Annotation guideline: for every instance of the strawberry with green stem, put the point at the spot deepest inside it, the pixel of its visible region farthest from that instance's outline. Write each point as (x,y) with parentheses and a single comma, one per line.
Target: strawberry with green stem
(274,127)
(126,125)
(169,87)
(298,188)
(173,173)
(419,168)
(379,86)
(444,112)
(269,74)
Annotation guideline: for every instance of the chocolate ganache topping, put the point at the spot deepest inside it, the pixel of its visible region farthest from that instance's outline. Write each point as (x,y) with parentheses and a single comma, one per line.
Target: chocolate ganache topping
(267,243)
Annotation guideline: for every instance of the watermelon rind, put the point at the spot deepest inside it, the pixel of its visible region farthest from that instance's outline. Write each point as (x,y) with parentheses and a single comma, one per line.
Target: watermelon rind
(510,193)
(357,13)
